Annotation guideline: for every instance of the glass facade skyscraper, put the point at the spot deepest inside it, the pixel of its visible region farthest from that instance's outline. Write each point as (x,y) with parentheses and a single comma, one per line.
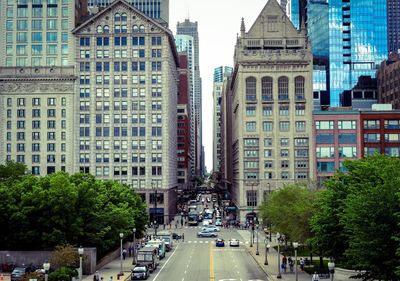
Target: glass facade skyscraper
(393,13)
(357,42)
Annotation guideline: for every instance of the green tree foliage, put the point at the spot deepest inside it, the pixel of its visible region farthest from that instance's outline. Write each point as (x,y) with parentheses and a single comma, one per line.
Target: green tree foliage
(364,206)
(12,171)
(43,212)
(63,274)
(289,210)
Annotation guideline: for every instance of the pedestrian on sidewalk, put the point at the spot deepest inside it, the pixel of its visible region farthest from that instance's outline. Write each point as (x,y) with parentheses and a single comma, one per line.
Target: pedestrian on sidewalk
(301,264)
(315,277)
(176,224)
(183,237)
(97,276)
(111,279)
(291,264)
(124,254)
(284,262)
(130,250)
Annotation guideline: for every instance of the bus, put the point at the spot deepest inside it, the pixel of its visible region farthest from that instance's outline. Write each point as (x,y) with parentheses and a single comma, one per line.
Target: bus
(193,218)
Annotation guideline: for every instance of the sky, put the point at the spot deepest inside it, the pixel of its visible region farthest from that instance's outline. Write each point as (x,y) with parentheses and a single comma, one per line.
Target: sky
(218,23)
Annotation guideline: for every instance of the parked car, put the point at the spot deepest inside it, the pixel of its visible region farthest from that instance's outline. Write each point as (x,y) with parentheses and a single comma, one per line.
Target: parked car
(218,222)
(18,273)
(220,242)
(234,243)
(140,272)
(207,233)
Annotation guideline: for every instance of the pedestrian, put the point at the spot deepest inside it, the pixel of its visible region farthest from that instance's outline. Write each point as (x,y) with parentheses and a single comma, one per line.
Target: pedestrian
(101,279)
(176,224)
(283,268)
(291,264)
(284,262)
(181,222)
(315,277)
(183,237)
(130,250)
(111,279)
(97,276)
(301,264)
(124,253)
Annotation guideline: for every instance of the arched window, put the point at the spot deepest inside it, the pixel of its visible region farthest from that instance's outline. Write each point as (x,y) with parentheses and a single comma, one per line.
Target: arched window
(117,17)
(135,28)
(283,88)
(266,88)
(124,28)
(99,29)
(251,94)
(123,17)
(141,28)
(106,29)
(299,88)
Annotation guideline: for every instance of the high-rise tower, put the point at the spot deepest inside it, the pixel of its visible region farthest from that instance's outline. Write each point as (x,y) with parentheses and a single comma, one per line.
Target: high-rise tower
(191,28)
(393,19)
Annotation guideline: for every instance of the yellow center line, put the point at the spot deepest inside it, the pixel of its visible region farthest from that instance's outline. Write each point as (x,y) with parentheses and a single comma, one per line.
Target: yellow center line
(212,277)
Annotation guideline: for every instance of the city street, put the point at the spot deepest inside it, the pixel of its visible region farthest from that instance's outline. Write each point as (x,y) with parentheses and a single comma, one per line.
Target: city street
(199,259)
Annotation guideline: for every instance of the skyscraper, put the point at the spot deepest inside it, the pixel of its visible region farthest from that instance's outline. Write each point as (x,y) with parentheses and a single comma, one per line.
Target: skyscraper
(357,42)
(393,19)
(185,44)
(191,28)
(37,33)
(219,74)
(271,110)
(155,9)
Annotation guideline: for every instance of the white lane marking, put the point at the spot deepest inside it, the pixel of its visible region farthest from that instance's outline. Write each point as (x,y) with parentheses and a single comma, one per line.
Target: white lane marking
(183,279)
(200,242)
(206,242)
(194,241)
(155,277)
(189,242)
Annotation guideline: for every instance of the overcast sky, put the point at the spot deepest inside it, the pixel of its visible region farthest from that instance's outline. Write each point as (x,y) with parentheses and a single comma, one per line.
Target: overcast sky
(218,22)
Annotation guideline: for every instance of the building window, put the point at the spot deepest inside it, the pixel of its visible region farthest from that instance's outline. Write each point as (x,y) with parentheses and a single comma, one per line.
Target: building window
(266,89)
(267,111)
(347,125)
(284,142)
(326,167)
(346,138)
(267,126)
(299,88)
(250,126)
(300,126)
(284,126)
(250,111)
(283,88)
(251,142)
(251,196)
(325,152)
(284,110)
(285,175)
(300,109)
(371,150)
(392,124)
(267,142)
(392,137)
(324,125)
(348,152)
(251,89)
(371,124)
(372,137)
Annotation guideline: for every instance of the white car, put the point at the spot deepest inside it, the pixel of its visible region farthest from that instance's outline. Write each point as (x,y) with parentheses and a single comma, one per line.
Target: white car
(234,243)
(211,227)
(218,223)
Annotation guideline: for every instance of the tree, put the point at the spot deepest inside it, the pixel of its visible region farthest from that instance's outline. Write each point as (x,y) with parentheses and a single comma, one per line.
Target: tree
(64,256)
(12,171)
(360,208)
(58,209)
(63,274)
(289,210)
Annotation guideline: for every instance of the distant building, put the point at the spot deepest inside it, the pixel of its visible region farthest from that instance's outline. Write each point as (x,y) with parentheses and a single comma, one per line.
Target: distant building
(126,126)
(220,73)
(363,95)
(393,25)
(183,126)
(271,109)
(388,76)
(191,28)
(155,9)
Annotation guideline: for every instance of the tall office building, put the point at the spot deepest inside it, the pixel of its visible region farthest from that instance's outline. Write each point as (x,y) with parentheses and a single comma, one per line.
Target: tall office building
(357,42)
(271,109)
(127,99)
(191,28)
(220,74)
(393,19)
(185,44)
(37,32)
(155,9)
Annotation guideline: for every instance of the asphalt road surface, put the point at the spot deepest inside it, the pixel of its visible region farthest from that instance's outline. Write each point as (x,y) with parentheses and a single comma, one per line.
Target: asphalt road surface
(198,259)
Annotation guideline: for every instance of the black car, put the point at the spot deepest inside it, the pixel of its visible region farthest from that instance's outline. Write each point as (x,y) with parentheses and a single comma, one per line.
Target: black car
(140,272)
(176,236)
(18,273)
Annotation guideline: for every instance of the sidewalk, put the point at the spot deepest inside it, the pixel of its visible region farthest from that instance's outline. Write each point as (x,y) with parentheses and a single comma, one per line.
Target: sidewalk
(112,269)
(271,270)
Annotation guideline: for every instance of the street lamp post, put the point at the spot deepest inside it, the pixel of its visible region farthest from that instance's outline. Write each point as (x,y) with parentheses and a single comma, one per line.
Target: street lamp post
(80,252)
(270,225)
(121,236)
(46,267)
(257,252)
(331,266)
(134,246)
(251,233)
(295,245)
(278,237)
(267,246)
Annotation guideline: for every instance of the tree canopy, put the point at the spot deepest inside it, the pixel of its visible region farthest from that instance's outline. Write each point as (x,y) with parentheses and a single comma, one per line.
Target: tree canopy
(43,212)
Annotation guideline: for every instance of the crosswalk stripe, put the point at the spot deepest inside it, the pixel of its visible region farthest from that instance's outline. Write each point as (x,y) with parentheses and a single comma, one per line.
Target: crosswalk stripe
(189,241)
(206,242)
(194,241)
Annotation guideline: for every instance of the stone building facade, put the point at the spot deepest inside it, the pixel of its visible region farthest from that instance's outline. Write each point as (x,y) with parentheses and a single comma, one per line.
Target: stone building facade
(271,109)
(37,118)
(126,126)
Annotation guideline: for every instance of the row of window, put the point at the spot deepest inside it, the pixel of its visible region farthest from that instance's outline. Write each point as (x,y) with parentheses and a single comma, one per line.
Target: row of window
(120,131)
(269,164)
(120,144)
(269,142)
(284,126)
(285,175)
(329,152)
(123,171)
(20,147)
(120,28)
(300,110)
(136,53)
(120,118)
(156,79)
(36,61)
(37,2)
(36,101)
(120,66)
(50,24)
(123,158)
(352,125)
(120,41)
(267,88)
(36,113)
(252,153)
(36,124)
(38,12)
(35,136)
(119,105)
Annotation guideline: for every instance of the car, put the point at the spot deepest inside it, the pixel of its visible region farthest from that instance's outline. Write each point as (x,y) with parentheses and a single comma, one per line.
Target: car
(206,233)
(234,243)
(220,242)
(211,227)
(208,200)
(176,236)
(140,272)
(218,222)
(18,273)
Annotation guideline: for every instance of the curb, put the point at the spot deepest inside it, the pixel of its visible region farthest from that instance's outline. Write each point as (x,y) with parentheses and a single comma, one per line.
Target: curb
(259,265)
